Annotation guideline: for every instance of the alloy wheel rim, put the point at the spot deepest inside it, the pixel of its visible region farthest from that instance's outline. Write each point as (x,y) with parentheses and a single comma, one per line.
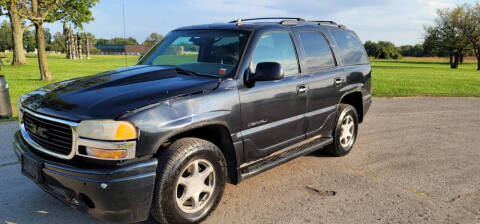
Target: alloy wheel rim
(195,186)
(347,130)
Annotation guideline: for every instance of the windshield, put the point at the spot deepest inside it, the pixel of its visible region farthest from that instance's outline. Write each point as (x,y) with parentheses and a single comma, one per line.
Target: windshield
(204,52)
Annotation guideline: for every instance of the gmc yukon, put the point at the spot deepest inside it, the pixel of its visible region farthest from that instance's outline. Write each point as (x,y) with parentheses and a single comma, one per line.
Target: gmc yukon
(207,105)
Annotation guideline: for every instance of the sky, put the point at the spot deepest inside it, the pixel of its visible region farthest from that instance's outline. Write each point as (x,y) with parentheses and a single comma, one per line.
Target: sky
(399,21)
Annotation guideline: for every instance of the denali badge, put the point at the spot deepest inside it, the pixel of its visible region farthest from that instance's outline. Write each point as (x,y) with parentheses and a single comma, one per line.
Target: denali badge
(255,123)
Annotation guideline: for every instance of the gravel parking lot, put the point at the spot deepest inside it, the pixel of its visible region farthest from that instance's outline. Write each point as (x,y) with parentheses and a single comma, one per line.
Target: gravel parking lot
(417,160)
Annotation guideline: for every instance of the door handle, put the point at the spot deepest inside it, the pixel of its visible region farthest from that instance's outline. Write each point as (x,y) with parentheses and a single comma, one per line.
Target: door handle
(301,89)
(338,81)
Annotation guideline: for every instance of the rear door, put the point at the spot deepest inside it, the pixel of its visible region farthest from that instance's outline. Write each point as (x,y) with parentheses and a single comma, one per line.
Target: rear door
(323,77)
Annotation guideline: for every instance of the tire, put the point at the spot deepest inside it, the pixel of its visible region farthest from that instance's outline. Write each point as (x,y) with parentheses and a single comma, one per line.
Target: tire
(178,177)
(339,146)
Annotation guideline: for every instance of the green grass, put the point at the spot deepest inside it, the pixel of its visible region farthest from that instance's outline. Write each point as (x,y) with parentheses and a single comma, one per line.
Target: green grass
(424,77)
(391,78)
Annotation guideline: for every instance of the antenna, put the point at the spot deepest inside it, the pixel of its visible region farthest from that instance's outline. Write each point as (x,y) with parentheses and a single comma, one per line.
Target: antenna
(124,32)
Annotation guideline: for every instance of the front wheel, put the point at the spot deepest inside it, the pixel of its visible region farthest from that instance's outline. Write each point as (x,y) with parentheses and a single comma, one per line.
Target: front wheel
(345,131)
(191,178)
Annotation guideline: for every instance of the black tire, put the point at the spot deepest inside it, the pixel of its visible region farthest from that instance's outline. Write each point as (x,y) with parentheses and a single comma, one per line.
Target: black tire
(336,148)
(172,163)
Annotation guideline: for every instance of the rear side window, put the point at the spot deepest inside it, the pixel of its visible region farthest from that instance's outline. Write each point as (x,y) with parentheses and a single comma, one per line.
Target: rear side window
(351,49)
(276,47)
(318,55)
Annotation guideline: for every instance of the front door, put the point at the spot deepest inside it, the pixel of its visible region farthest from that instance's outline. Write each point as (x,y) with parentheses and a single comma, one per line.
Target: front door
(273,111)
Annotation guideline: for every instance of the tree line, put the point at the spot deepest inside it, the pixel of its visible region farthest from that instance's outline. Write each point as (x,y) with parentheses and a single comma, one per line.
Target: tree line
(58,41)
(454,34)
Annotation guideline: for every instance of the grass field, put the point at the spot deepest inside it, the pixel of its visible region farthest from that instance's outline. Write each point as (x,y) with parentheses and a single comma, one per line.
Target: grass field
(424,77)
(391,78)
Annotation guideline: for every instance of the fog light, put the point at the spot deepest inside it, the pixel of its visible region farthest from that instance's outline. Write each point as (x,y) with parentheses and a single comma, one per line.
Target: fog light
(106,153)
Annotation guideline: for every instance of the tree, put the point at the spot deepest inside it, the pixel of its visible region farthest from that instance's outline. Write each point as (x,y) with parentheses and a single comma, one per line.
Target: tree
(371,48)
(29,41)
(117,40)
(17,21)
(152,40)
(37,11)
(58,43)
(446,34)
(5,34)
(382,50)
(41,11)
(411,51)
(470,27)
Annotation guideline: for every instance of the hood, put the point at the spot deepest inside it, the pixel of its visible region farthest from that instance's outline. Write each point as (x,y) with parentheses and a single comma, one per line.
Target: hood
(108,95)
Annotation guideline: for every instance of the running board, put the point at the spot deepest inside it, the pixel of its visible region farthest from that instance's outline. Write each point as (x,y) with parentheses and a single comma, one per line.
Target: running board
(307,146)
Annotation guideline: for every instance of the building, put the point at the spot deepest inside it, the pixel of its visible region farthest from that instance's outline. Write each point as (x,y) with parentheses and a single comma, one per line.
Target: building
(129,49)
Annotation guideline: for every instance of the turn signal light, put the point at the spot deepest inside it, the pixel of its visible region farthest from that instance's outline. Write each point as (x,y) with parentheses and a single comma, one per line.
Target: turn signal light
(106,154)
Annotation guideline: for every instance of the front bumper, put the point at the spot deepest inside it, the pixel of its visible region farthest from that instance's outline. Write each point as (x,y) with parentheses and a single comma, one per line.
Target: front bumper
(120,195)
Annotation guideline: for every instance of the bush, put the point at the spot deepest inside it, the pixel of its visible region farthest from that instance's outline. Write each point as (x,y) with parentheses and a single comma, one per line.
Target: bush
(382,50)
(6,58)
(94,50)
(388,53)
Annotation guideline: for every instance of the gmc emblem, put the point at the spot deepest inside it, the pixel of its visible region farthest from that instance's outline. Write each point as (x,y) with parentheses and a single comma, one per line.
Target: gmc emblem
(40,131)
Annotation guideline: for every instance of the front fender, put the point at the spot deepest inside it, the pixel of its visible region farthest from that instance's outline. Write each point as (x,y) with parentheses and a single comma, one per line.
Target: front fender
(159,123)
(189,123)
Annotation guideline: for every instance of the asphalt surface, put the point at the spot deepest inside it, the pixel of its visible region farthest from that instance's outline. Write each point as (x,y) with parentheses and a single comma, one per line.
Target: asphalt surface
(417,160)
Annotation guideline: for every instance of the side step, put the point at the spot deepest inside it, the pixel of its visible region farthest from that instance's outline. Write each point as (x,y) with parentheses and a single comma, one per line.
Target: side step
(256,167)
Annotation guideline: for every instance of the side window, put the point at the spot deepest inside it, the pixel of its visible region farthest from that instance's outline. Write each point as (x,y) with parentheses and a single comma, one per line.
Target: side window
(318,54)
(276,47)
(351,48)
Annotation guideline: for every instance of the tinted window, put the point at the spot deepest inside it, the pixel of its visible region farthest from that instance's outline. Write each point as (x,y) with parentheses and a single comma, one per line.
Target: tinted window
(276,47)
(351,49)
(318,54)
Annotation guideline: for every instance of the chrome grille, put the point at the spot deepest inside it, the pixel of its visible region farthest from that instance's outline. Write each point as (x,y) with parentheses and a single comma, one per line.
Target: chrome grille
(50,135)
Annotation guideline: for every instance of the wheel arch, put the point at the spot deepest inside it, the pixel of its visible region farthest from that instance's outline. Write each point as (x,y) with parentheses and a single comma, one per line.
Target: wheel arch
(355,99)
(216,133)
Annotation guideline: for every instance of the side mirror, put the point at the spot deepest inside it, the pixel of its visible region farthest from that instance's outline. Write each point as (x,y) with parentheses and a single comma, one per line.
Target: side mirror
(267,71)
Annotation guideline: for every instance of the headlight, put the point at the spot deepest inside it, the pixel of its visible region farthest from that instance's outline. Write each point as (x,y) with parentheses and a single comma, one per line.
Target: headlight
(107,130)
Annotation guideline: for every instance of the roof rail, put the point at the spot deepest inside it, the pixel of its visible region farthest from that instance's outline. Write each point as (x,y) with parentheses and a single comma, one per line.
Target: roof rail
(325,22)
(268,18)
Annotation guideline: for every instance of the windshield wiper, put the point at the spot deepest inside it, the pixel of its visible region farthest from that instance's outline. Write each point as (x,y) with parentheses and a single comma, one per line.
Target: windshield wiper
(192,73)
(186,71)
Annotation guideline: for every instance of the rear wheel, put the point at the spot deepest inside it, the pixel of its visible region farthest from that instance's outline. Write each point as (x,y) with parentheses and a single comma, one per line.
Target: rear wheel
(191,178)
(345,131)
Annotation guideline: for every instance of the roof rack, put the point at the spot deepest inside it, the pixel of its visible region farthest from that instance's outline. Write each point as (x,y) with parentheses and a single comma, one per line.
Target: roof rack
(328,23)
(285,19)
(290,21)
(269,18)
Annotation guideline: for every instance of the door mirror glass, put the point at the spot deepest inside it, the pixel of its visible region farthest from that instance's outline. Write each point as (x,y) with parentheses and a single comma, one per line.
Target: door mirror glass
(268,71)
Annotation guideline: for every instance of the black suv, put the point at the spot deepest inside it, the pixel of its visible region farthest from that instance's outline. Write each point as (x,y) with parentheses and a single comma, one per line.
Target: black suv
(207,105)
